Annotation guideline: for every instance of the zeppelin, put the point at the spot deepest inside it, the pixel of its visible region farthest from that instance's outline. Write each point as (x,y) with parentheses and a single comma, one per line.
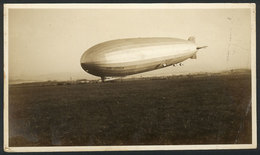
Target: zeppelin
(122,57)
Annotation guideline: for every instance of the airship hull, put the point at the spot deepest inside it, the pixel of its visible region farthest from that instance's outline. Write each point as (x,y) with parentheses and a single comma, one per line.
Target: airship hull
(115,70)
(131,56)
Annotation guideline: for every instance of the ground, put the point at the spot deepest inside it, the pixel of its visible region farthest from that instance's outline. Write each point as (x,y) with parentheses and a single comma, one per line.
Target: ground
(205,109)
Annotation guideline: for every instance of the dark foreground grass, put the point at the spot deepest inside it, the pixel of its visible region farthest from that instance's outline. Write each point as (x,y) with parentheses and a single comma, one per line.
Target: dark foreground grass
(188,110)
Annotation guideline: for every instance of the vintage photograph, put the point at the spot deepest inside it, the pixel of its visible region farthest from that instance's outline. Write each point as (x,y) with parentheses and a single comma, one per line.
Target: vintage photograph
(105,77)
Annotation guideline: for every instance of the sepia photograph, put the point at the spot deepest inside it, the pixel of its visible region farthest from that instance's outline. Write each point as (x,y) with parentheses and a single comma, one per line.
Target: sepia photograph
(126,77)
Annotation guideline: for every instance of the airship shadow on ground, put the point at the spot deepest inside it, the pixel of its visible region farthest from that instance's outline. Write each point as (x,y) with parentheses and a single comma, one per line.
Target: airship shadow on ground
(122,57)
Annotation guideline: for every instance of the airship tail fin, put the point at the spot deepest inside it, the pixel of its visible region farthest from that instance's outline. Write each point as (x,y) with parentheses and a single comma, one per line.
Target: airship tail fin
(192,39)
(200,47)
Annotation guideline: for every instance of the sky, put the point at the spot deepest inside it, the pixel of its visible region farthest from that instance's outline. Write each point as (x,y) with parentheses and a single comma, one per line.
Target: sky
(47,44)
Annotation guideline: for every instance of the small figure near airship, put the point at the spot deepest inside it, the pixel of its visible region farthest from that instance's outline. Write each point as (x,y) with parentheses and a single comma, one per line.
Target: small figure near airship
(122,57)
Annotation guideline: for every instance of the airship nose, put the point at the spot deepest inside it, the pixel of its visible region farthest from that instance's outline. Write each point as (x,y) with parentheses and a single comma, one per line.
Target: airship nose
(90,62)
(85,61)
(84,67)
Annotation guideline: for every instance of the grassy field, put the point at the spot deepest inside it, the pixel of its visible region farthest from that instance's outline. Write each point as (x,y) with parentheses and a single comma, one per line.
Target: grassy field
(188,110)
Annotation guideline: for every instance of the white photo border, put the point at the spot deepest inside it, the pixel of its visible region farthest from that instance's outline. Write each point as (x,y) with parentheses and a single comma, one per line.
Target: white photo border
(250,6)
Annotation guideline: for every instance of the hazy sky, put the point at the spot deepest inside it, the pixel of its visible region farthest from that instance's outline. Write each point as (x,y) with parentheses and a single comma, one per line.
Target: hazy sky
(48,43)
